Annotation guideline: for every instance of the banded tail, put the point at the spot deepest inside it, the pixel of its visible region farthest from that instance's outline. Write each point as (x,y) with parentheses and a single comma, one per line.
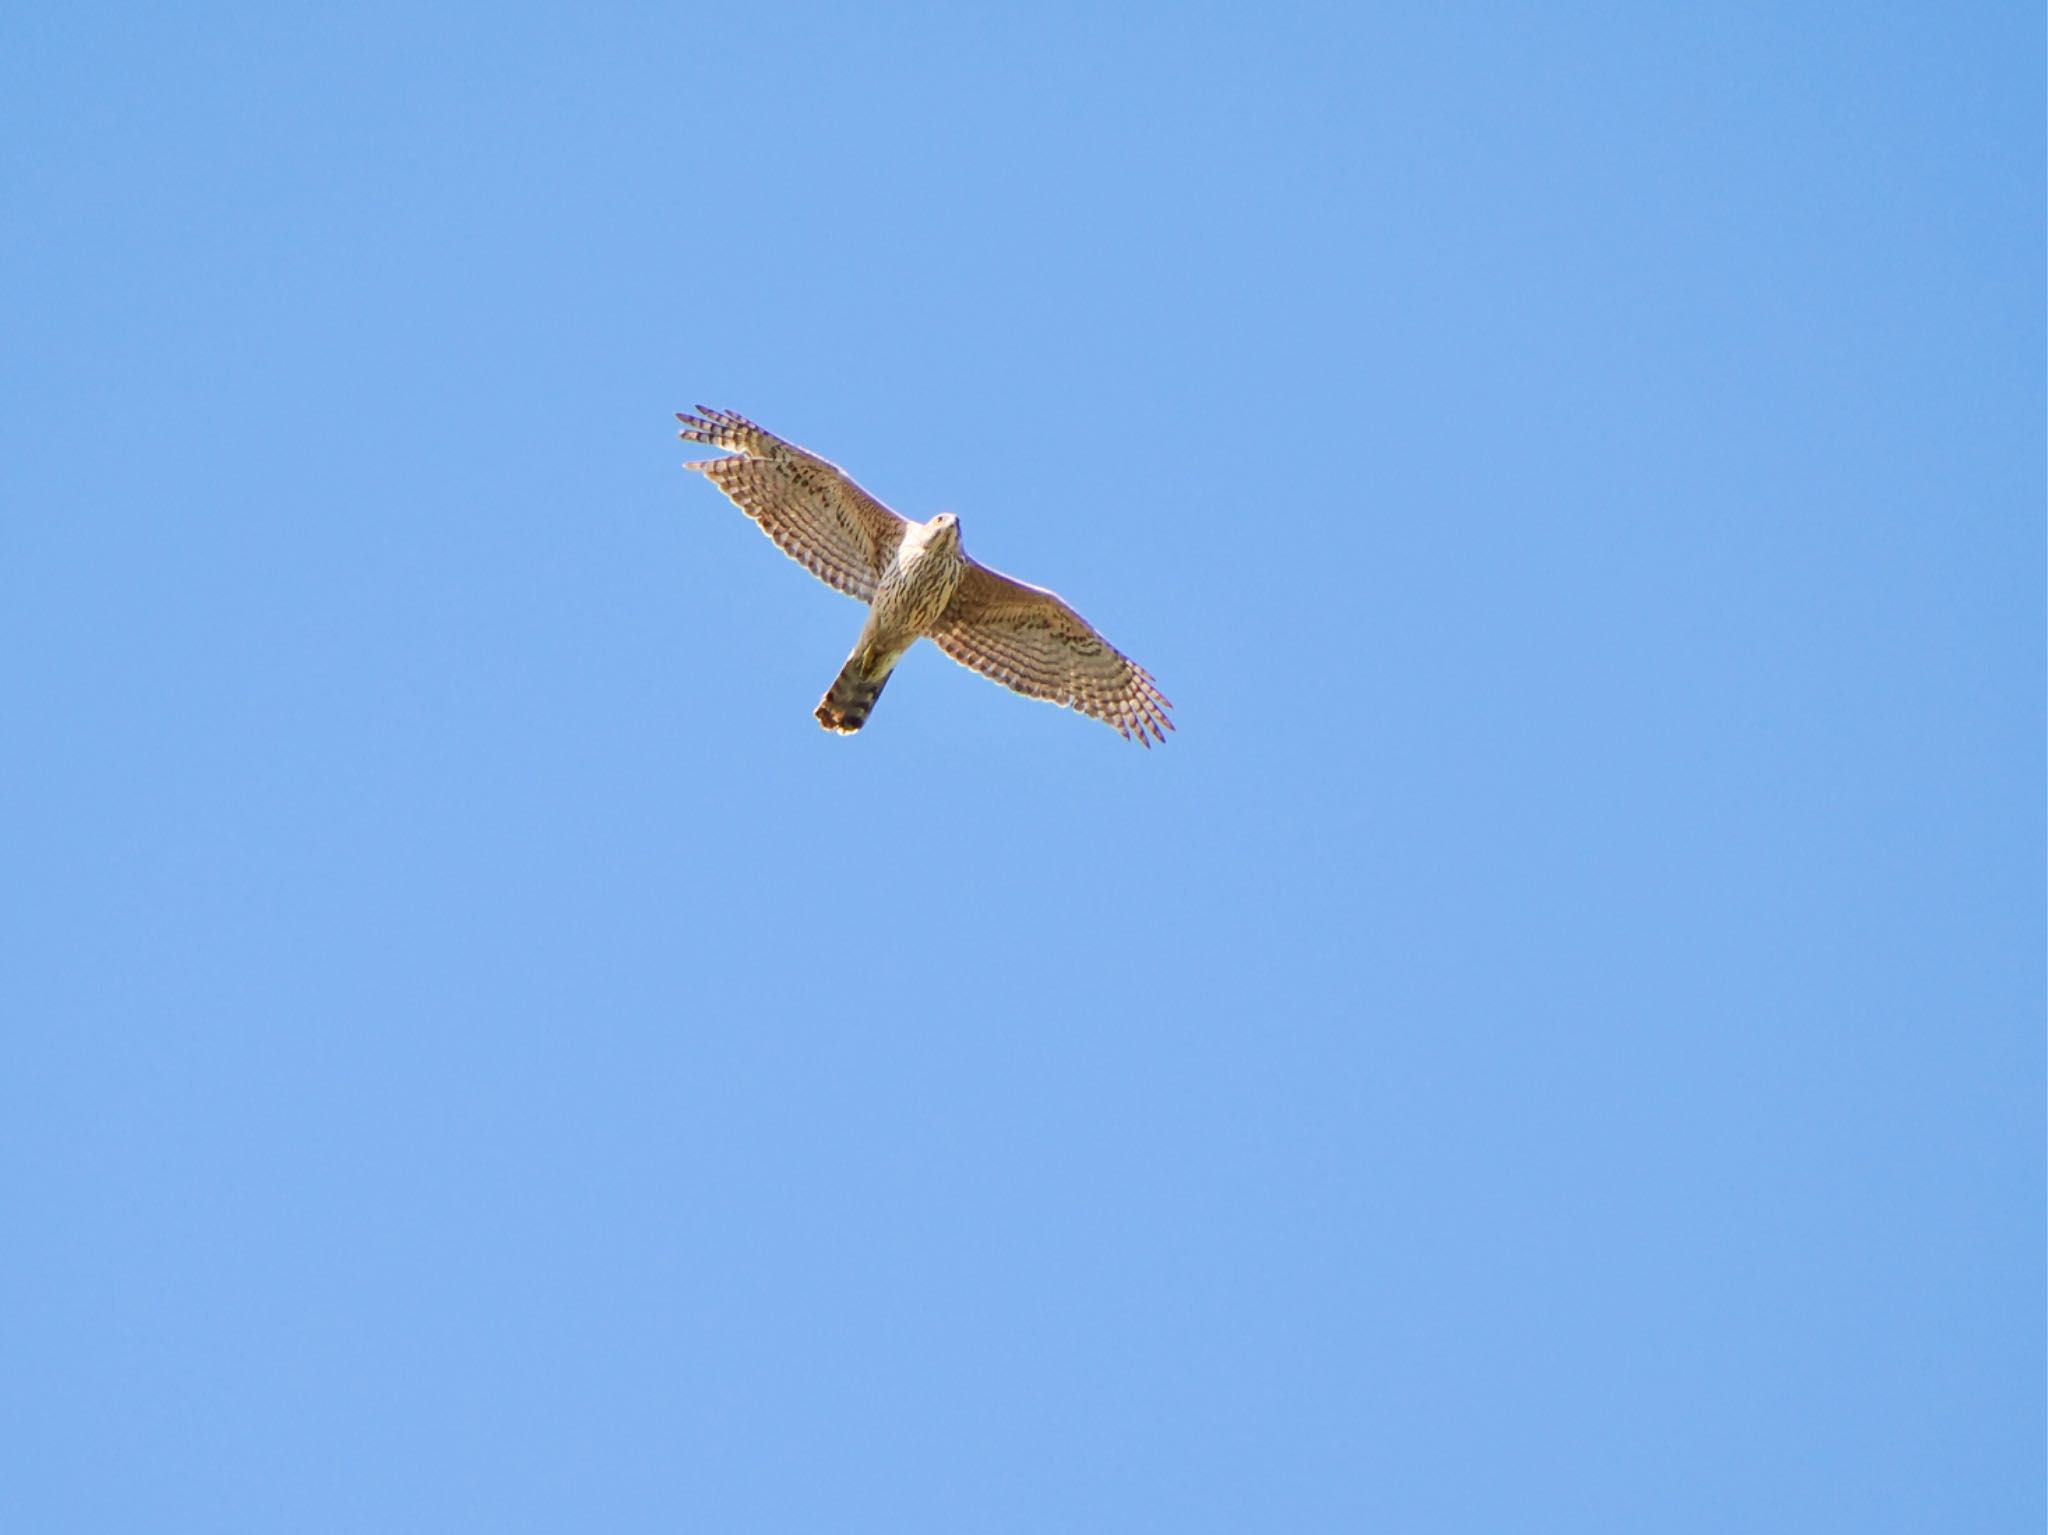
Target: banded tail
(851,698)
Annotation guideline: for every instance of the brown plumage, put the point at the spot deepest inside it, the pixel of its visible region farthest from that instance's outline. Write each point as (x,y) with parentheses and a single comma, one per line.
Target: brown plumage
(917,580)
(851,698)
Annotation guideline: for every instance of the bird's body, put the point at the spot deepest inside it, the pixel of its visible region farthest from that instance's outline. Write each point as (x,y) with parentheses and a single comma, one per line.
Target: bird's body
(917,580)
(910,598)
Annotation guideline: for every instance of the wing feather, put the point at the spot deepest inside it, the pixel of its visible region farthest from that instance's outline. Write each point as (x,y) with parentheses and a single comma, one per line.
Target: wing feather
(812,509)
(1030,641)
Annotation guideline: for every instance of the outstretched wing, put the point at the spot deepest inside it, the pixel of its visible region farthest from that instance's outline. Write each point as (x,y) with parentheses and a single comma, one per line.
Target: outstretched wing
(1033,643)
(816,515)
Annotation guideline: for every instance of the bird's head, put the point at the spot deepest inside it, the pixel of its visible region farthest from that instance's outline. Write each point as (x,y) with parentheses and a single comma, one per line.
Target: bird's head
(945,529)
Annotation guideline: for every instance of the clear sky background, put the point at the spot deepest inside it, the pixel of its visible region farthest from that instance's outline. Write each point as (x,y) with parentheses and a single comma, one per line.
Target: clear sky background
(1553,1043)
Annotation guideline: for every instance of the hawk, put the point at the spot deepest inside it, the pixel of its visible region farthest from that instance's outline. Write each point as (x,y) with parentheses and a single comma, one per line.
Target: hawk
(916,579)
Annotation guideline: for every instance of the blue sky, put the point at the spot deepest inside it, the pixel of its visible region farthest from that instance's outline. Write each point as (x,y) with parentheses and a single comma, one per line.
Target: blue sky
(1553,1042)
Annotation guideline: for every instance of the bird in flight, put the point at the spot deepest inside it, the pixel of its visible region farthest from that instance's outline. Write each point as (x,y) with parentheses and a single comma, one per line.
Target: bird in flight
(916,579)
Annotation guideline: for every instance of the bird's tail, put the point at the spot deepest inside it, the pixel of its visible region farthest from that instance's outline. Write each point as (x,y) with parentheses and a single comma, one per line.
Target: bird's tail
(851,698)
